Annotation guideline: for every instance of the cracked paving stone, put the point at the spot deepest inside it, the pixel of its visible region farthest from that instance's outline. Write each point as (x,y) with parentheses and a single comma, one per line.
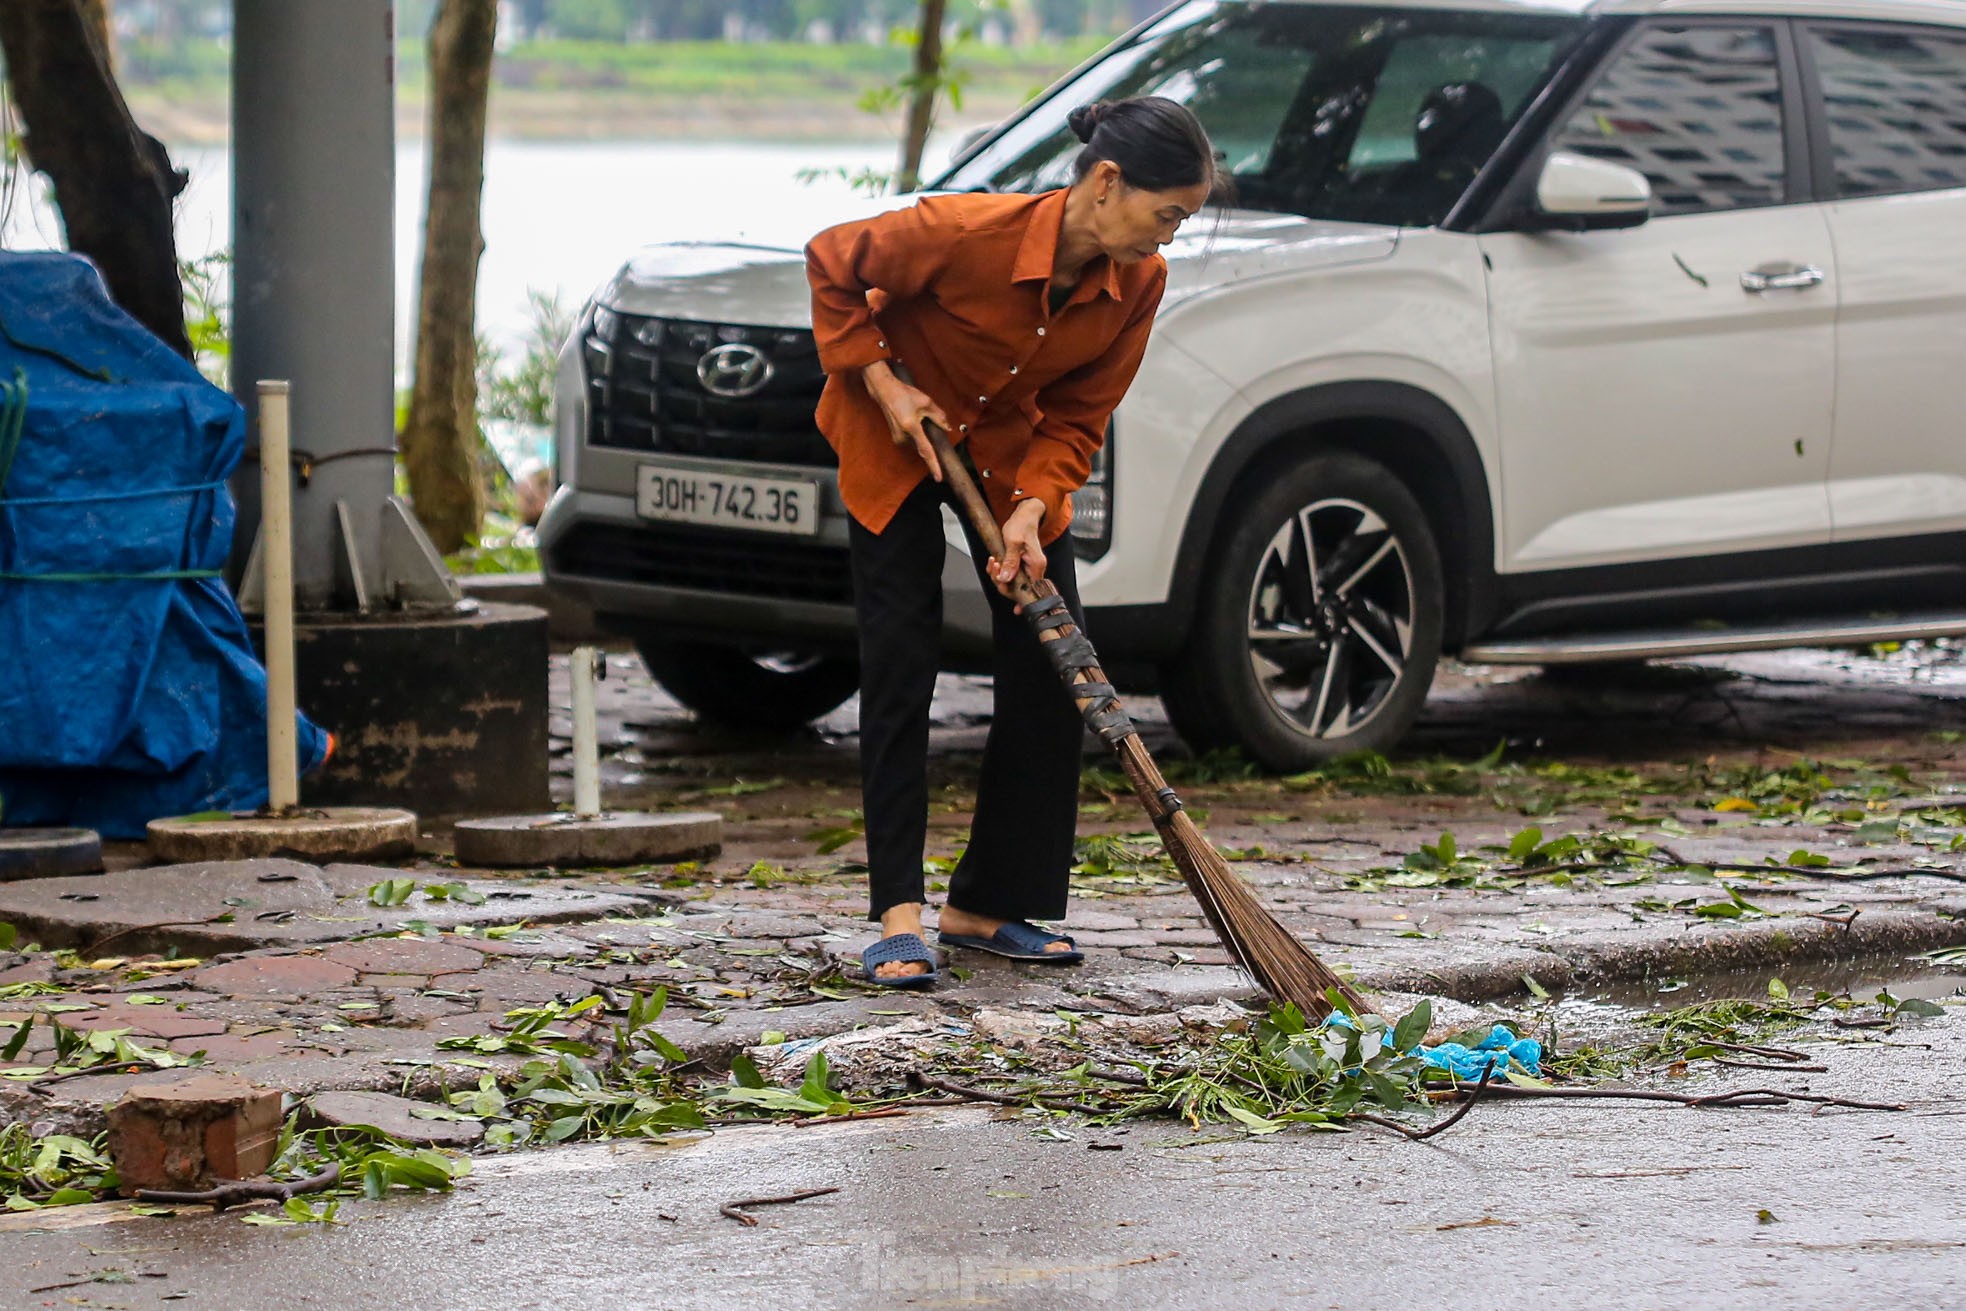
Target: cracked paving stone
(145,1021)
(395,1116)
(238,1048)
(291,975)
(405,956)
(1111,940)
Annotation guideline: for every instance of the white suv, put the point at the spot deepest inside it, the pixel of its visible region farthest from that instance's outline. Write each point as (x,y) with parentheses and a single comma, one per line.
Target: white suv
(1539,332)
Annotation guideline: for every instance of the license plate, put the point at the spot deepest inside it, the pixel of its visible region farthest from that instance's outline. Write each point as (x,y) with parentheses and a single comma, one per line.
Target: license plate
(767,505)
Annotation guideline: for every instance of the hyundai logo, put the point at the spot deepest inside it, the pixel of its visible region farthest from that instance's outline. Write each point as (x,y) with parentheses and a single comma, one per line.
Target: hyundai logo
(735,369)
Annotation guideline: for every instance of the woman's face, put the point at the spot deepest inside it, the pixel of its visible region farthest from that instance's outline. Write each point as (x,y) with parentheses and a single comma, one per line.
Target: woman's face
(1132,223)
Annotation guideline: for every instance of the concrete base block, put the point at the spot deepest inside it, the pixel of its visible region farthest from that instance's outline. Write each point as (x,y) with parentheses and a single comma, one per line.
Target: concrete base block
(40,853)
(346,833)
(443,715)
(606,841)
(567,620)
(188,1135)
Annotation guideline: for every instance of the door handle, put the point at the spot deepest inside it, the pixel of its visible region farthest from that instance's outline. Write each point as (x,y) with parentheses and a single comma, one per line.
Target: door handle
(1781,277)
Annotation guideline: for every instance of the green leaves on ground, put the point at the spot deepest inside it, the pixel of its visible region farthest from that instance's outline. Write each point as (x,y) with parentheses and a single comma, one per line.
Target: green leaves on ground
(78,1050)
(395,892)
(298,1211)
(1108,862)
(531,1032)
(636,1092)
(831,839)
(54,1170)
(1809,792)
(813,1096)
(1526,856)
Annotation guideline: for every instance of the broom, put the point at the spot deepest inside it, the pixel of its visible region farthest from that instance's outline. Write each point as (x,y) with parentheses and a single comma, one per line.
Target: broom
(1280,964)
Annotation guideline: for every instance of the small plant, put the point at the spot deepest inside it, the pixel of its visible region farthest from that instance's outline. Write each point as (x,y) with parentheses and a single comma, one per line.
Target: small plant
(207,312)
(520,390)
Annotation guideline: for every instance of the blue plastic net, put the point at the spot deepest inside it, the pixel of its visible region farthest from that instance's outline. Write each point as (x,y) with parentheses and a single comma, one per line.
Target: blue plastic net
(1500,1050)
(128,685)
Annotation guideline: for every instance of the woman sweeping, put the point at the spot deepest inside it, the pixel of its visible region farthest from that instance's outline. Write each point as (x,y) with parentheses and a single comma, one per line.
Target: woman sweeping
(1016,323)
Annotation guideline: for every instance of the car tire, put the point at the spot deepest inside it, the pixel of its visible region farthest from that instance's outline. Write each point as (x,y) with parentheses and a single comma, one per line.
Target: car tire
(752,690)
(1300,666)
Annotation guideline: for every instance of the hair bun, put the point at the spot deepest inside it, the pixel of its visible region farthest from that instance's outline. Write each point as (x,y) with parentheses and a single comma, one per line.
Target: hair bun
(1085,120)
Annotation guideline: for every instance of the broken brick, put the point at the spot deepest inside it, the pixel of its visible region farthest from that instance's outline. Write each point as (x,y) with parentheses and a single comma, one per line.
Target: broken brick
(188,1134)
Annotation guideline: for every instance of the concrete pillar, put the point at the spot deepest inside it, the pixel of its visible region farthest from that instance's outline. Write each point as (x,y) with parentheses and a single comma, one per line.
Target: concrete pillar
(434,705)
(313,178)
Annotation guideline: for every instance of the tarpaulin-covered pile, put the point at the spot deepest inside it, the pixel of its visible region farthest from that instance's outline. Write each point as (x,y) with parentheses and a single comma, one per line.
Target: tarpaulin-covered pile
(128,687)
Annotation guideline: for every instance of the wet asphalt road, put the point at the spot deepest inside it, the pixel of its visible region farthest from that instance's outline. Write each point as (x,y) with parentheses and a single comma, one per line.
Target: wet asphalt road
(1601,1206)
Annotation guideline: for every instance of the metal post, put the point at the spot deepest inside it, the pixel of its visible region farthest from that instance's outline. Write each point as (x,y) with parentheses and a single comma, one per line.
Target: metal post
(586,737)
(276,564)
(313,176)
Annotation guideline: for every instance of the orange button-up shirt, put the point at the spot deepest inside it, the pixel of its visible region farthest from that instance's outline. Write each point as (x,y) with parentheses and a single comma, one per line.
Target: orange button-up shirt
(956,289)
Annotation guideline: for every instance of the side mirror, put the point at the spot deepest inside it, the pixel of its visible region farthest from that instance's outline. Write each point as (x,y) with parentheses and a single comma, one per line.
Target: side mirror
(967,141)
(1581,194)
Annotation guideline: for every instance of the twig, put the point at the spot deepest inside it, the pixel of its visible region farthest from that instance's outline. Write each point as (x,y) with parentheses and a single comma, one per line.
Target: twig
(1734,1098)
(1749,1049)
(1731,1099)
(1758,1065)
(41,1085)
(99,944)
(1000,1099)
(883,1114)
(1844,874)
(92,1279)
(231,1192)
(735,1210)
(1421,1135)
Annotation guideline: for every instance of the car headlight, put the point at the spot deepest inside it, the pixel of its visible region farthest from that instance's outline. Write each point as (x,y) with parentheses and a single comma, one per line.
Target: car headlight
(1092,505)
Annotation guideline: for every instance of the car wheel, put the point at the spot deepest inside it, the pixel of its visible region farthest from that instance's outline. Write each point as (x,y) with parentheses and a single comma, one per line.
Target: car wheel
(1321,624)
(758,691)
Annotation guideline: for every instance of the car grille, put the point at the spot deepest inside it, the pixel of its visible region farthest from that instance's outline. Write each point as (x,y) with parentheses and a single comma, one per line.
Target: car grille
(644,393)
(710,561)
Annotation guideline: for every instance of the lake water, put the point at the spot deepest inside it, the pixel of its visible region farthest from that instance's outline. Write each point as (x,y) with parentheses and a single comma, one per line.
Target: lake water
(558,216)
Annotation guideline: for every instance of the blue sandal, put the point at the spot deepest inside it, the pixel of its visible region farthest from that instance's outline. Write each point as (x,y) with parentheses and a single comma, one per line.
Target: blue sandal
(1018,940)
(899,947)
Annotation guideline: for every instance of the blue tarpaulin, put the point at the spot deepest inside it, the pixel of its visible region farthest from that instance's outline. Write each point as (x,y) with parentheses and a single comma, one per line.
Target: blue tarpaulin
(128,686)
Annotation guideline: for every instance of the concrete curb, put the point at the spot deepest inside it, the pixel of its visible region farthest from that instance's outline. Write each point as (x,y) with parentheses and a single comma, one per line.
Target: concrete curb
(1667,950)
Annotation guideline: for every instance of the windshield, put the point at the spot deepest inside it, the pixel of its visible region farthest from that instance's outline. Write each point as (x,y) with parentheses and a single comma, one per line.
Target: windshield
(1350,112)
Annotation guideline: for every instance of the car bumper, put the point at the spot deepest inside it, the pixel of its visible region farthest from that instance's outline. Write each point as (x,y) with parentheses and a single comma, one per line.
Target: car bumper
(722,584)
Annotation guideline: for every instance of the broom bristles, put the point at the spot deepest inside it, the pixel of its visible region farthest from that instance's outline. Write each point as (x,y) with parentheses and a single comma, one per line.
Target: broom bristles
(1281,965)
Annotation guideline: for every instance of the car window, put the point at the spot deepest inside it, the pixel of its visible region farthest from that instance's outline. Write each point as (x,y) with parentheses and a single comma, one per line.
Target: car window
(1359,112)
(1896,105)
(1698,110)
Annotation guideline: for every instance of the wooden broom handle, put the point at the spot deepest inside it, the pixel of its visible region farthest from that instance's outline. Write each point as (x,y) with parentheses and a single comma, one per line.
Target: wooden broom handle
(955,475)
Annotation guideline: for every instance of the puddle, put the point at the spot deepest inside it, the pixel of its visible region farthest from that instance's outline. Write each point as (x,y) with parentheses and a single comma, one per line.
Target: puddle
(1861,977)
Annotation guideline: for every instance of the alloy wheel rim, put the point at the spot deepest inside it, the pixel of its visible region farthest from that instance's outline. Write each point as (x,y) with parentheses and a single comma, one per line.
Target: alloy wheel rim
(786,663)
(1330,618)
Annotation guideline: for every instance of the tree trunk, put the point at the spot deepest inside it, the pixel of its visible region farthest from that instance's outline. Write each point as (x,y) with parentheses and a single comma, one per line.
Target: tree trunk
(924,85)
(113,183)
(96,14)
(440,438)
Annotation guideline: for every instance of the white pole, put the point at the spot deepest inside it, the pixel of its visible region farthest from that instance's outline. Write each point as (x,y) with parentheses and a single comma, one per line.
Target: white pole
(586,738)
(277,573)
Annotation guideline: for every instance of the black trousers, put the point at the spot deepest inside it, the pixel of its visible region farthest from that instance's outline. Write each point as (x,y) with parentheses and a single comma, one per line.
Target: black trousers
(1019,856)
